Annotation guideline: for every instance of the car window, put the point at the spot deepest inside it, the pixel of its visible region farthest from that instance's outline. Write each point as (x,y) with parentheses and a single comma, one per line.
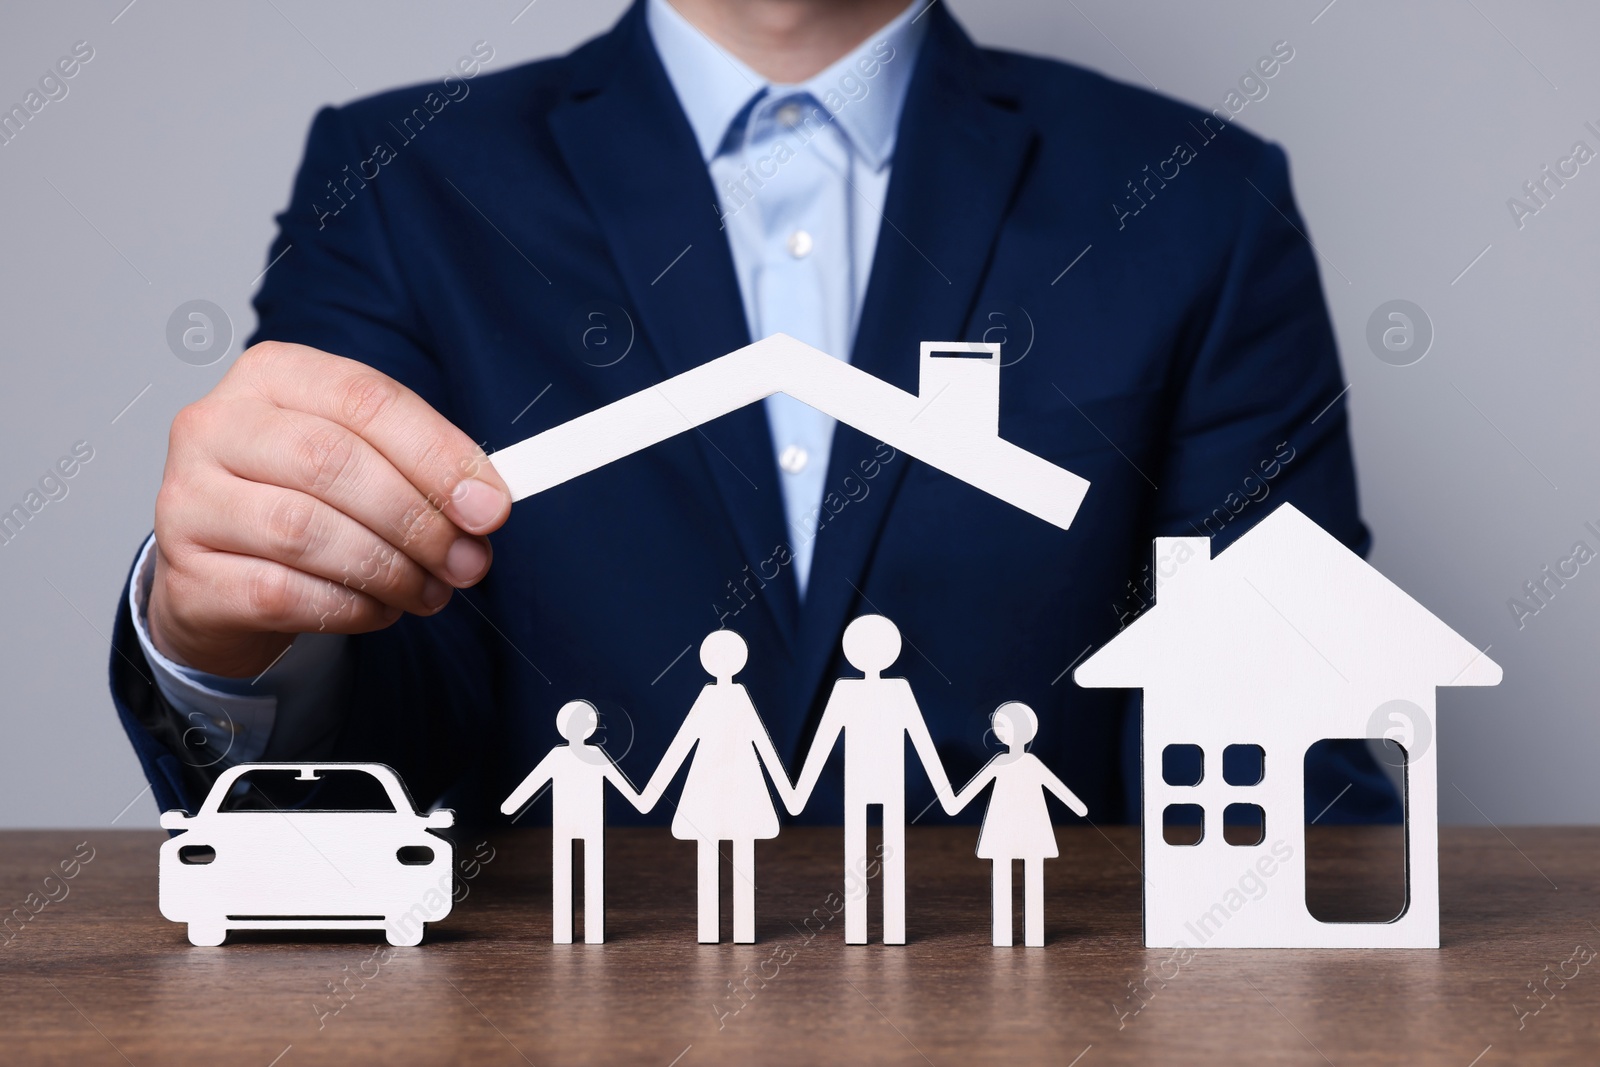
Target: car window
(335,789)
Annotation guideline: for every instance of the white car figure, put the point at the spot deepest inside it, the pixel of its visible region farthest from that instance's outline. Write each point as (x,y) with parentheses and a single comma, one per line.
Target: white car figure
(378,868)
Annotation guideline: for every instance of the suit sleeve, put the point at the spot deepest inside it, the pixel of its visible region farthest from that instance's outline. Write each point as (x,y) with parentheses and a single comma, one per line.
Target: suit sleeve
(1260,419)
(418,690)
(422,688)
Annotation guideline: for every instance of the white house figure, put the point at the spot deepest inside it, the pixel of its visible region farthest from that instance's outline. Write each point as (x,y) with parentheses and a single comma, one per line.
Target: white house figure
(952,423)
(1284,639)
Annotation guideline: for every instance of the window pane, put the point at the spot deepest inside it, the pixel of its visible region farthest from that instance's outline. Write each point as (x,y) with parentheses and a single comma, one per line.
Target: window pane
(1183,824)
(334,789)
(1182,765)
(1243,764)
(1244,824)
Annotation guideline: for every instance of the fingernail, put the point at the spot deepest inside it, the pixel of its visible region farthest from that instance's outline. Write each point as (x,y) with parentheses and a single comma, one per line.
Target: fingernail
(466,560)
(434,593)
(477,504)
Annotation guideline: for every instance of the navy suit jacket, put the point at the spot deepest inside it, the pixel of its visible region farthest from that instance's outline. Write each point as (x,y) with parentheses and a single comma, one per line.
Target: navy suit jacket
(1180,358)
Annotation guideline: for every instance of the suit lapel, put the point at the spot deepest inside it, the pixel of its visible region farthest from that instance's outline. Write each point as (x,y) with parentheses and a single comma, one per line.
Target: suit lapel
(958,158)
(633,154)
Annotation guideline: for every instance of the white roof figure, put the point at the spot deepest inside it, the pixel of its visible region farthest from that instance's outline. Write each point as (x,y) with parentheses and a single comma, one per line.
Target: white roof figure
(952,423)
(1285,639)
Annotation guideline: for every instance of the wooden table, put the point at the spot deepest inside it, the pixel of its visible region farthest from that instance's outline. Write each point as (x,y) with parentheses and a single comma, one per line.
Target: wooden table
(98,977)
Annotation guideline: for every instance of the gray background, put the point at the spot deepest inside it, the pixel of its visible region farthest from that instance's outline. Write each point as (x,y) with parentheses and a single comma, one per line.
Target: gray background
(1408,127)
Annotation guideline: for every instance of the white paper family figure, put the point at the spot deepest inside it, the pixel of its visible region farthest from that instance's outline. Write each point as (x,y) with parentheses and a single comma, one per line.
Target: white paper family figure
(307,869)
(876,715)
(958,434)
(577,773)
(1016,825)
(951,423)
(725,796)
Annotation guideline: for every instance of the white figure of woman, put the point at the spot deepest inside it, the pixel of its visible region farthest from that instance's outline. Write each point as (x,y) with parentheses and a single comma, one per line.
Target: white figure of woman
(725,797)
(1016,825)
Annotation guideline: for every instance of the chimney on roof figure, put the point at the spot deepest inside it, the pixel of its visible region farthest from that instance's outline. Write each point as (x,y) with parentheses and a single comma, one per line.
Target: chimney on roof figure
(960,385)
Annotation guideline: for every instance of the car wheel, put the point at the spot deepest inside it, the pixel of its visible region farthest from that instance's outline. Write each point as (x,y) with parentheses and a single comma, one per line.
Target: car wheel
(207,934)
(393,933)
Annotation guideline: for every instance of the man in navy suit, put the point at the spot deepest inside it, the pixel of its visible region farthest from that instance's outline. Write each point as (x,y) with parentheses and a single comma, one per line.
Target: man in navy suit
(464,264)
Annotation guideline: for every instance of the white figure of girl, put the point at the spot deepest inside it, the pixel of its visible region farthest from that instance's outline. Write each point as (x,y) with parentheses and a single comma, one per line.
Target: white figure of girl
(1016,825)
(725,797)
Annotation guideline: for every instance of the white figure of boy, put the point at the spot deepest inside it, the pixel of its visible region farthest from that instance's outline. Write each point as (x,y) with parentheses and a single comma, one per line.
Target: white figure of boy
(577,773)
(875,714)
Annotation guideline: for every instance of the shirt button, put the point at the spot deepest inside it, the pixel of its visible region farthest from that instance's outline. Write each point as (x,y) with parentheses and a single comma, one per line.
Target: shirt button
(788,115)
(793,459)
(799,244)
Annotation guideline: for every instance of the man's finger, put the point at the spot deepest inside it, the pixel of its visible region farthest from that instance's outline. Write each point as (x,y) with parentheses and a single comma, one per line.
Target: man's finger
(298,530)
(304,452)
(444,464)
(271,596)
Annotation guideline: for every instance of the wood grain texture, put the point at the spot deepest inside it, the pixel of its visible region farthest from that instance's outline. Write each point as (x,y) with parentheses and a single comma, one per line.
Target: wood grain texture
(98,977)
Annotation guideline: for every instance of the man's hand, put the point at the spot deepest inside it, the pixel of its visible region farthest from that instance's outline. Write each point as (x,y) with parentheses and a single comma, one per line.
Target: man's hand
(308,492)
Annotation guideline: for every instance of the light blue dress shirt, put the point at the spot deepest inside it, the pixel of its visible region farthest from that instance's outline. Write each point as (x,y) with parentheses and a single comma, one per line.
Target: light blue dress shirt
(800,173)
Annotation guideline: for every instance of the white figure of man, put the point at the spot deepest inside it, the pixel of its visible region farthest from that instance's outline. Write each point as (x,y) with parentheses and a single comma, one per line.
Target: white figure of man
(577,773)
(875,714)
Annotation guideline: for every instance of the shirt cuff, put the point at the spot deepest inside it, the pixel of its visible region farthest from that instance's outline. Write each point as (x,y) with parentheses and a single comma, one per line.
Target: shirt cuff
(293,704)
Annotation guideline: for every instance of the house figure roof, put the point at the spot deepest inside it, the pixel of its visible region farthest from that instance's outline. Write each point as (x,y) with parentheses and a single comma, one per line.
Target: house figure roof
(951,423)
(1285,606)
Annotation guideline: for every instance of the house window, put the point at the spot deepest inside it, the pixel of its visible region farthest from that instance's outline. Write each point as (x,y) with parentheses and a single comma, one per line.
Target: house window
(1182,765)
(1183,824)
(1243,765)
(1244,824)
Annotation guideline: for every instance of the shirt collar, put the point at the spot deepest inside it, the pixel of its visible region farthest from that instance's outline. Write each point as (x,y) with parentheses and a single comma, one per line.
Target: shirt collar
(714,88)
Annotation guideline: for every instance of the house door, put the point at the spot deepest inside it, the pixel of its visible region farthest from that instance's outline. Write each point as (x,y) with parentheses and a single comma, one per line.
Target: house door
(1355,867)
